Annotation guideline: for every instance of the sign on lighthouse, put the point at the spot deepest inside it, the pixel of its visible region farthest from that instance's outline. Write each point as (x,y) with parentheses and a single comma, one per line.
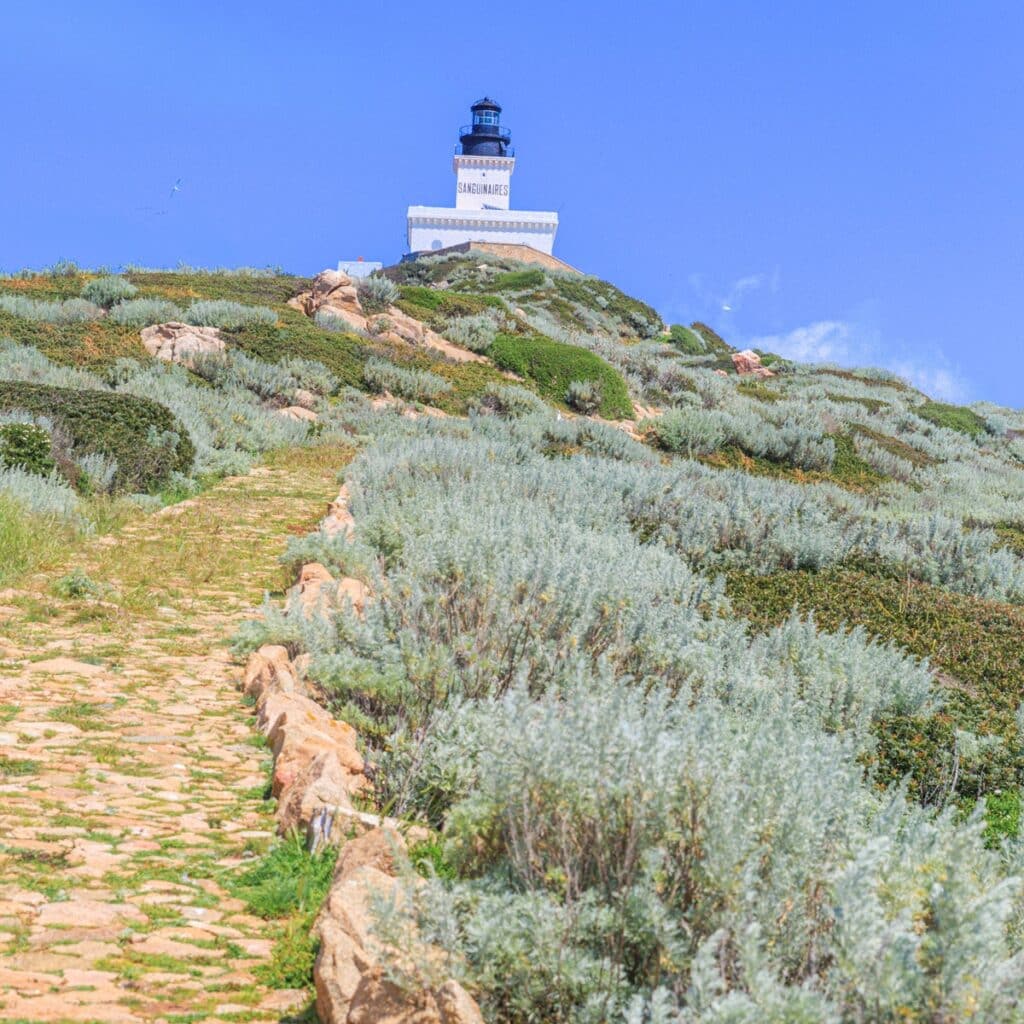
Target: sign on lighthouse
(482,211)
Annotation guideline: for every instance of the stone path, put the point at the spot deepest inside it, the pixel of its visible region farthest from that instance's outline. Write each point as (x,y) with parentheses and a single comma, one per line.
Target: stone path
(132,782)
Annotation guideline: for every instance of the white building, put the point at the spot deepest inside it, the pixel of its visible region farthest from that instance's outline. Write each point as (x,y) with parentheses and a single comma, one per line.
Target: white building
(483,172)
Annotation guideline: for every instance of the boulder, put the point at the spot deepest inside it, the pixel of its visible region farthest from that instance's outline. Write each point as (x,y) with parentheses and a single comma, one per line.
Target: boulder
(182,343)
(269,667)
(748,363)
(298,412)
(339,519)
(323,783)
(351,984)
(354,591)
(309,590)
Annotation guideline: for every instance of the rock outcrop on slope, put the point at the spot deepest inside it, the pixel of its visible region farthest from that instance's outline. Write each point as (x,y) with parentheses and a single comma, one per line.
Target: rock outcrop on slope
(182,343)
(334,293)
(748,363)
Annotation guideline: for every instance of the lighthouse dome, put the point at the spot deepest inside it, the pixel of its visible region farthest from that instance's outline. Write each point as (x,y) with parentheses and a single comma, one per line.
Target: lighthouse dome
(485,136)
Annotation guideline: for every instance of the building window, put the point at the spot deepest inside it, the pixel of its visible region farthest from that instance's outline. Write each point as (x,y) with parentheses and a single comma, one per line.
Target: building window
(485,117)
(436,243)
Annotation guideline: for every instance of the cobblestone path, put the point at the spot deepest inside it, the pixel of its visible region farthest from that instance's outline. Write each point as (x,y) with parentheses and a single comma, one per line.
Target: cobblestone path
(131,781)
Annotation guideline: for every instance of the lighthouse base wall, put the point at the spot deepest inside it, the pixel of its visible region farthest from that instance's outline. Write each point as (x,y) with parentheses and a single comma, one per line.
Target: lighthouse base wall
(433,228)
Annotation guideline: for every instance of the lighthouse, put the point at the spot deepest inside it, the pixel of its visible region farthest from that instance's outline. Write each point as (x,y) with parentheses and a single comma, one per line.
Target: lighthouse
(483,182)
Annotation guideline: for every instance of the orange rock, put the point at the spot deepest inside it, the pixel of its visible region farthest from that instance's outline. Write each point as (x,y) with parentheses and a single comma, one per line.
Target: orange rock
(324,783)
(269,666)
(748,362)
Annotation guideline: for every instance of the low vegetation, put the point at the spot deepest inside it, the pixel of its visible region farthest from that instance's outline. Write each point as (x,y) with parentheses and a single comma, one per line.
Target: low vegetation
(553,366)
(718,719)
(145,440)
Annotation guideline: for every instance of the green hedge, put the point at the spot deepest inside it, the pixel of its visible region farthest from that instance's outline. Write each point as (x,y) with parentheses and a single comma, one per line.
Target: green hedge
(953,417)
(118,426)
(552,366)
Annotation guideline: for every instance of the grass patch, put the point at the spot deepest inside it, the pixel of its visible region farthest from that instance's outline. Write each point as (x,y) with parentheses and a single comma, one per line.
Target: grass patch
(953,417)
(29,541)
(873,405)
(755,389)
(11,767)
(552,365)
(1011,535)
(895,446)
(974,643)
(288,883)
(848,470)
(82,714)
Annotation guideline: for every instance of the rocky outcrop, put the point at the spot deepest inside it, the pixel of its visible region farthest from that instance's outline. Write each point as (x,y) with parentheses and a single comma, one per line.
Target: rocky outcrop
(334,293)
(182,343)
(352,985)
(748,363)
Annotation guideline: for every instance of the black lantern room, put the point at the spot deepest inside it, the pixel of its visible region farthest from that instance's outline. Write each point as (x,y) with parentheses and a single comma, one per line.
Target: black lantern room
(485,136)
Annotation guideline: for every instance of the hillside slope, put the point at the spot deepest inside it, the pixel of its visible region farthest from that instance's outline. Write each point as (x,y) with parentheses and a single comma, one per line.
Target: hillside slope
(703,686)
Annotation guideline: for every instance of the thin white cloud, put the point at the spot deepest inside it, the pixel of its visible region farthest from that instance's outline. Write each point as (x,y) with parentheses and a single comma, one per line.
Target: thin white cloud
(843,342)
(935,381)
(823,341)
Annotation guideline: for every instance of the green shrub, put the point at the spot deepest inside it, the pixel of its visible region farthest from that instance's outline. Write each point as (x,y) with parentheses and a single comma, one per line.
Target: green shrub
(554,365)
(146,440)
(715,343)
(144,312)
(688,342)
(518,281)
(227,315)
(107,291)
(27,446)
(953,417)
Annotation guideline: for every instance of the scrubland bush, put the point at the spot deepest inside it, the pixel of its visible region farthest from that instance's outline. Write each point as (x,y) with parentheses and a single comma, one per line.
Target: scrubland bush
(107,291)
(49,496)
(416,385)
(376,293)
(228,426)
(584,396)
(477,333)
(637,797)
(227,315)
(144,312)
(553,366)
(66,311)
(508,401)
(140,433)
(25,445)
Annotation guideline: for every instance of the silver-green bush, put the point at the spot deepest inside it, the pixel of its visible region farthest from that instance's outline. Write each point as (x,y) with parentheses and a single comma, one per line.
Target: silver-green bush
(227,315)
(65,311)
(107,291)
(144,312)
(416,385)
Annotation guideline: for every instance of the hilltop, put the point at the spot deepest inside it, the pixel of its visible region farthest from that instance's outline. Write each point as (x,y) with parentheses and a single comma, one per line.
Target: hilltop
(683,683)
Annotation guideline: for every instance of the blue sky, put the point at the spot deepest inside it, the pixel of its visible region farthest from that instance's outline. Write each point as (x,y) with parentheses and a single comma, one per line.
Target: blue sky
(831,180)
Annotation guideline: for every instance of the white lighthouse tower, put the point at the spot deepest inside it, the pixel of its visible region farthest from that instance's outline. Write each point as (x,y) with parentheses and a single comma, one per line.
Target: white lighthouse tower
(482,212)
